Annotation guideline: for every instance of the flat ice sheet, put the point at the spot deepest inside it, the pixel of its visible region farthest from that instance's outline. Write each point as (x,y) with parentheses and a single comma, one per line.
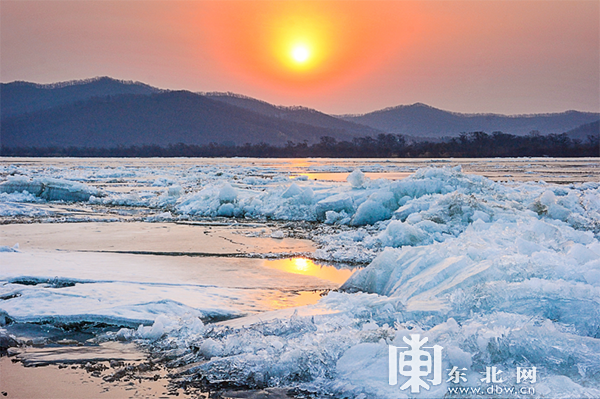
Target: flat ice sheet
(126,288)
(152,237)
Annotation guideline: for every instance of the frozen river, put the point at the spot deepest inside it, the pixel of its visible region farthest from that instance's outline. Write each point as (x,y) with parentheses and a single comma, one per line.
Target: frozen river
(303,273)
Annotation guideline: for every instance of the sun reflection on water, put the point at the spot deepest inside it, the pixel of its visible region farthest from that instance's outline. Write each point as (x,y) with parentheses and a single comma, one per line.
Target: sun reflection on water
(308,268)
(301,264)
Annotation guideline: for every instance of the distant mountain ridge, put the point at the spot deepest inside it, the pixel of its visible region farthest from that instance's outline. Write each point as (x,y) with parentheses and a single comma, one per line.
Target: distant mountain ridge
(423,120)
(294,114)
(108,113)
(584,131)
(105,112)
(22,97)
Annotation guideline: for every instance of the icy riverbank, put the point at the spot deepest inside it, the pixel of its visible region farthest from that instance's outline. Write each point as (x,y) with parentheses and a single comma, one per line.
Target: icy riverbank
(503,275)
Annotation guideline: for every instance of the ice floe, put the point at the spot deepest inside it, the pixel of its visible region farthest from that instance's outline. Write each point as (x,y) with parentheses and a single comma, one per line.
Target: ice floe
(503,275)
(50,189)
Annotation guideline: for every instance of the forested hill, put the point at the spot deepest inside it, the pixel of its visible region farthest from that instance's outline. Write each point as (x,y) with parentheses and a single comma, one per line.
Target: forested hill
(23,97)
(156,119)
(108,113)
(105,112)
(423,120)
(583,132)
(294,114)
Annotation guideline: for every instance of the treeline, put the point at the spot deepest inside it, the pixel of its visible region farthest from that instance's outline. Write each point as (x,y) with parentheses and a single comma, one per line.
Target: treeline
(467,145)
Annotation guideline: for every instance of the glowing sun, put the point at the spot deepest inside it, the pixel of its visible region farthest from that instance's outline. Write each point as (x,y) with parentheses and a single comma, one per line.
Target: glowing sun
(300,54)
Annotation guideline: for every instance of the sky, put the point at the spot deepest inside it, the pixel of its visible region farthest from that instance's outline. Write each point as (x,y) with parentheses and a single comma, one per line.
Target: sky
(340,57)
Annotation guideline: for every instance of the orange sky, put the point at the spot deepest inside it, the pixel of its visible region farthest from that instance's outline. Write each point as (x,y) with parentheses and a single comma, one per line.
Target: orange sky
(466,56)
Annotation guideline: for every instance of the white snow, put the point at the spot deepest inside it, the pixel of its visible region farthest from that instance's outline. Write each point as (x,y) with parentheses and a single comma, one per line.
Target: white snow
(50,189)
(227,194)
(499,274)
(357,179)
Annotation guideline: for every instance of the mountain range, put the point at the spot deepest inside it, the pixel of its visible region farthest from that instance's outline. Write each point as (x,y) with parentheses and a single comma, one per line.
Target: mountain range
(420,119)
(104,112)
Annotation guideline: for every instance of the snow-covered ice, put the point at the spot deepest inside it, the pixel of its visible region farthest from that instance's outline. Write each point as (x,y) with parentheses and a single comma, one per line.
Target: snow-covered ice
(49,189)
(503,275)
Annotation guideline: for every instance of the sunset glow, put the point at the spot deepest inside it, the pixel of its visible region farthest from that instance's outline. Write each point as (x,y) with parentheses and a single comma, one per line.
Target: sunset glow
(294,189)
(335,56)
(308,268)
(304,48)
(300,54)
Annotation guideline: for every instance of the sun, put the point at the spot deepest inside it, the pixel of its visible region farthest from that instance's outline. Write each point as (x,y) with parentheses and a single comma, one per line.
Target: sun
(301,264)
(300,54)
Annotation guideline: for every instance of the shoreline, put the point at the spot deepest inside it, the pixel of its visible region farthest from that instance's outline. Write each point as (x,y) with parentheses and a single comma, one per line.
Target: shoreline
(78,382)
(92,372)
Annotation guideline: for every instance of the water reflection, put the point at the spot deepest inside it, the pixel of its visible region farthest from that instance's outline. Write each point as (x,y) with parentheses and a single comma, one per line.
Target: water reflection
(308,268)
(342,176)
(294,299)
